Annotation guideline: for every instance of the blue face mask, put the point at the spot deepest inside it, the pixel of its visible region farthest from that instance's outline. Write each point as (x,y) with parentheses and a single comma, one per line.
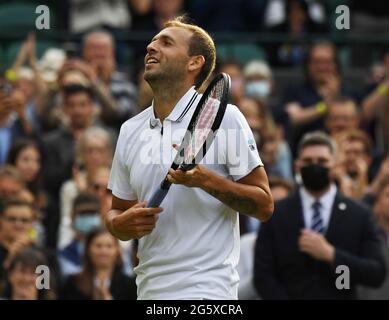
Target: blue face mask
(85,223)
(258,88)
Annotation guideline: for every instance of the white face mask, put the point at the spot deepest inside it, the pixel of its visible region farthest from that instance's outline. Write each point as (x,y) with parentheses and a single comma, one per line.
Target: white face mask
(258,88)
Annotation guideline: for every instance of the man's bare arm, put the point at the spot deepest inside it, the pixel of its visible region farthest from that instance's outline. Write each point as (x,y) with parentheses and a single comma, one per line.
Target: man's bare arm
(250,195)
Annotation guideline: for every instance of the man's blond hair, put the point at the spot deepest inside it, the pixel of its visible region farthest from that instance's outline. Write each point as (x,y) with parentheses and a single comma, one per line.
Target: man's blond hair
(201,43)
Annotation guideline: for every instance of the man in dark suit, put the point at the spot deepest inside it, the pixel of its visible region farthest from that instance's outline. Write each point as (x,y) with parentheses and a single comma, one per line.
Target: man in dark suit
(313,232)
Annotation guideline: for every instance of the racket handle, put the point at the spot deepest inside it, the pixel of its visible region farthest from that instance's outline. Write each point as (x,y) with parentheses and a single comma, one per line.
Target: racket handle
(187,167)
(159,194)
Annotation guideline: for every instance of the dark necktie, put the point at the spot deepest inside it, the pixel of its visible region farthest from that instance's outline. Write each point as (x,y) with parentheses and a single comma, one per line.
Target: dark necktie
(317,220)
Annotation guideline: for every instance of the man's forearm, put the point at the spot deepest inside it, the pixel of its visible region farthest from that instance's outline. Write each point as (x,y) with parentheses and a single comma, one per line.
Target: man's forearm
(246,199)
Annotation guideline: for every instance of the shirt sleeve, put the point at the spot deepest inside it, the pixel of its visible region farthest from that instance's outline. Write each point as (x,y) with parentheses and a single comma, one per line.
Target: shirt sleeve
(241,150)
(119,180)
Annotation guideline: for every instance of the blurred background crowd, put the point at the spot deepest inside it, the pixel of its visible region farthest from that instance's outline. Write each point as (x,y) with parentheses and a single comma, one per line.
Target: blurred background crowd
(64,93)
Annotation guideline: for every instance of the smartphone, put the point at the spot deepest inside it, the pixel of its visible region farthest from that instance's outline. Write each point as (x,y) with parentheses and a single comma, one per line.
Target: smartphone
(70,49)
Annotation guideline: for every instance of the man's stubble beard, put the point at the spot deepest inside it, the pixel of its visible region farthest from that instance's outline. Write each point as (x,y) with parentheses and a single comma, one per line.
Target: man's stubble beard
(167,77)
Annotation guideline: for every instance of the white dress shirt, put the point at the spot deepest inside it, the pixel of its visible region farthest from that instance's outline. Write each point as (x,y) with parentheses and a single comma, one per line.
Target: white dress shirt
(326,201)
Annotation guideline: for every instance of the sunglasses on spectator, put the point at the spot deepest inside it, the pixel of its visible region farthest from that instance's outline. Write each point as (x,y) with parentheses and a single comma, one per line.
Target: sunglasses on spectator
(16,219)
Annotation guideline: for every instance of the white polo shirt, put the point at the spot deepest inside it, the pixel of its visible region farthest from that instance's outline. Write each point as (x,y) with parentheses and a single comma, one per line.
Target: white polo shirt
(194,250)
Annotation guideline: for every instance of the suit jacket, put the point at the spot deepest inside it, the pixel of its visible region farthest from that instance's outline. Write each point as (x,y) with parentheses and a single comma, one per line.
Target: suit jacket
(381,293)
(281,271)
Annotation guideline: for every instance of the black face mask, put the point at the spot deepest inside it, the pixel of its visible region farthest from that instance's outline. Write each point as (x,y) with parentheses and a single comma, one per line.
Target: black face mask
(315,177)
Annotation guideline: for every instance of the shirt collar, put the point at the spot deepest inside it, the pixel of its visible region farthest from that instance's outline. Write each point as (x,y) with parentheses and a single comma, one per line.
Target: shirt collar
(181,108)
(325,200)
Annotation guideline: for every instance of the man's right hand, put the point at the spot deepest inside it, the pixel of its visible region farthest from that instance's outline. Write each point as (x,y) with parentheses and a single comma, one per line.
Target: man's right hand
(133,223)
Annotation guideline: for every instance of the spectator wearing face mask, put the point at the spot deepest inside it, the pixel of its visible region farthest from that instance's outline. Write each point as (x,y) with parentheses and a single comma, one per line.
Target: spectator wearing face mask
(299,249)
(258,81)
(85,218)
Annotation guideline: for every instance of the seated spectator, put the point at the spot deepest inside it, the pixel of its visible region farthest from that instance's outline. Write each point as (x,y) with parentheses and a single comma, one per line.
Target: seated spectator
(29,80)
(299,249)
(280,188)
(304,105)
(342,115)
(381,211)
(85,217)
(59,149)
(14,122)
(351,171)
(102,277)
(276,156)
(98,185)
(26,156)
(234,70)
(258,80)
(11,182)
(17,219)
(93,151)
(297,25)
(115,94)
(375,106)
(21,278)
(258,118)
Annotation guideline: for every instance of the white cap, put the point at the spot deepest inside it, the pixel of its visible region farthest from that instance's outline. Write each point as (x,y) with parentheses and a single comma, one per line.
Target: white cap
(257,68)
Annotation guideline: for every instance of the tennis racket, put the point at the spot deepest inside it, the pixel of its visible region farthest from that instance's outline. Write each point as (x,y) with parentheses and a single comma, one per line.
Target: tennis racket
(200,133)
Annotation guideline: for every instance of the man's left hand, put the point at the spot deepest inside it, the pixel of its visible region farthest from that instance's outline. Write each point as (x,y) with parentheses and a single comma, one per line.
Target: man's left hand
(315,245)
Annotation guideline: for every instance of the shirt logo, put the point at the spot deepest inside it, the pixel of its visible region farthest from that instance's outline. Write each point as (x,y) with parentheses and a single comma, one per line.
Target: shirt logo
(251,143)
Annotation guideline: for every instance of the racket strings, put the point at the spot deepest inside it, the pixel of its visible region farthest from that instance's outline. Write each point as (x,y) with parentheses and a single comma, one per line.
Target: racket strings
(204,122)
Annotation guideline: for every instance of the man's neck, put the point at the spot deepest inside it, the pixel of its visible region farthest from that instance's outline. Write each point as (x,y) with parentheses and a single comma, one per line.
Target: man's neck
(165,99)
(318,194)
(77,132)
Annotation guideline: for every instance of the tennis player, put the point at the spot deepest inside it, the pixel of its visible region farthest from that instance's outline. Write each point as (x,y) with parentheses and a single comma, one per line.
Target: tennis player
(188,248)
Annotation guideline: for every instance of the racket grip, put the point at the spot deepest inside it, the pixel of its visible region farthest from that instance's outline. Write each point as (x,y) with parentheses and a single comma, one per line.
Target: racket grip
(157,198)
(187,167)
(159,194)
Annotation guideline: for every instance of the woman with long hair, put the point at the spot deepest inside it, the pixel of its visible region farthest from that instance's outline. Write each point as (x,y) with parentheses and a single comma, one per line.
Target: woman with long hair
(26,156)
(102,277)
